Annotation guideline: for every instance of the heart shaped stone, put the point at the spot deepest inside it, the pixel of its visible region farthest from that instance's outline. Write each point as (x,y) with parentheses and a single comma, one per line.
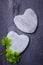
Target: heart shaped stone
(26,22)
(19,42)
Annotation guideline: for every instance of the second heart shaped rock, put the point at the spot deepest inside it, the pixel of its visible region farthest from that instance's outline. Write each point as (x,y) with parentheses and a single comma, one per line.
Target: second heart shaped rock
(26,22)
(19,42)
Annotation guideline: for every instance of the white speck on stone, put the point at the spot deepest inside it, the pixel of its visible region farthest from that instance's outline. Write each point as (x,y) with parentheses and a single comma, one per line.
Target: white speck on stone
(26,22)
(19,42)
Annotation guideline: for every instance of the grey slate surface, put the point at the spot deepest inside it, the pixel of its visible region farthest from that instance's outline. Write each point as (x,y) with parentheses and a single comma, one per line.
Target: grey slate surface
(33,55)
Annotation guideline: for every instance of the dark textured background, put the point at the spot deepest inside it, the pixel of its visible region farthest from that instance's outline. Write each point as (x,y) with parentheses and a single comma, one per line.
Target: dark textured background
(33,55)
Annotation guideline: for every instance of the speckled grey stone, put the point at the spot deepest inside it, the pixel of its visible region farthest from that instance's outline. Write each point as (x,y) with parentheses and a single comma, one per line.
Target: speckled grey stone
(19,42)
(26,22)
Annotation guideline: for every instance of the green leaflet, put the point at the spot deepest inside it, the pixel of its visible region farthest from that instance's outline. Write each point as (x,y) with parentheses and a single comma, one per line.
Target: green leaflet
(6,42)
(13,57)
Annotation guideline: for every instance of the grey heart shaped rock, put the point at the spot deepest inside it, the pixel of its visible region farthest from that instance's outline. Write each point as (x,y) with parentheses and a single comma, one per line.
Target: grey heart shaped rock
(26,22)
(19,42)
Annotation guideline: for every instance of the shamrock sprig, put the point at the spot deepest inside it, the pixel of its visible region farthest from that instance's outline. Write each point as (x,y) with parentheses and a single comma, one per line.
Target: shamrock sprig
(10,55)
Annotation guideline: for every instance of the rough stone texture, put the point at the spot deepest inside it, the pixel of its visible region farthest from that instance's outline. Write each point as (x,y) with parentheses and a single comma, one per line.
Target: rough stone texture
(33,55)
(26,22)
(19,42)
